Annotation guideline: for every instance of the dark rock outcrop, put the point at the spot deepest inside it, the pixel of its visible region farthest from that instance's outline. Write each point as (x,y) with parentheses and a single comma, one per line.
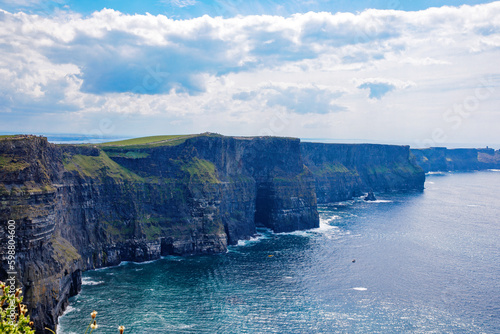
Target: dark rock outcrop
(442,159)
(370,197)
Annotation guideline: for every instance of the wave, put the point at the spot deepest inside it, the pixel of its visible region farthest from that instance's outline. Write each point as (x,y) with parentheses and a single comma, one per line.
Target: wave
(176,258)
(89,281)
(324,224)
(124,263)
(494,170)
(70,309)
(259,237)
(360,289)
(300,233)
(325,229)
(380,201)
(436,173)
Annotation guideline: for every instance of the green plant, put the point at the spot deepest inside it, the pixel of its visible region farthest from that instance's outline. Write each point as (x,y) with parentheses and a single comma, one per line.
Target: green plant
(92,325)
(14,319)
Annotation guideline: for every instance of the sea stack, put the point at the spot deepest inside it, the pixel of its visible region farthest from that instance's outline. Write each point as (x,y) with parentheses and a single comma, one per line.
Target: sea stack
(370,197)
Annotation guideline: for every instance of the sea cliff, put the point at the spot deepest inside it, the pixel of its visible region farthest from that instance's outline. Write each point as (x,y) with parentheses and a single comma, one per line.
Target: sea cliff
(442,159)
(80,207)
(343,171)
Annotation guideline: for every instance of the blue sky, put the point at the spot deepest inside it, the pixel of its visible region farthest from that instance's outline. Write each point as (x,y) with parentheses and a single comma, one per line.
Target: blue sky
(411,72)
(194,8)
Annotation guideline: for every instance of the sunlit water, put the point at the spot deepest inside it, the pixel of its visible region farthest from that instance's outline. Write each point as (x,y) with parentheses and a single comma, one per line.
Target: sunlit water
(424,263)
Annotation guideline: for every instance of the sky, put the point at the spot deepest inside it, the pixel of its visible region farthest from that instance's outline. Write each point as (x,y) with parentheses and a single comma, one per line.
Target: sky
(420,73)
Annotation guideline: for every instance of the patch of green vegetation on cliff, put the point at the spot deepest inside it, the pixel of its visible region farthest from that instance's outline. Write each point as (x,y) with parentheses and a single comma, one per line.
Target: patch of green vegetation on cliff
(3,190)
(378,169)
(405,168)
(127,154)
(30,187)
(63,251)
(240,178)
(118,230)
(199,170)
(8,136)
(9,164)
(284,177)
(151,228)
(152,231)
(98,167)
(331,168)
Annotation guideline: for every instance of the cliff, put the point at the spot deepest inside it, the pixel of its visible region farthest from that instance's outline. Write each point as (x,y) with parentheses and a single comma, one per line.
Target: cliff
(442,159)
(79,207)
(343,171)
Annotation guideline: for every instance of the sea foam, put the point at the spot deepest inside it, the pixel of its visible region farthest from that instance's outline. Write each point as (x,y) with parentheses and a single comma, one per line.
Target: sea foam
(88,281)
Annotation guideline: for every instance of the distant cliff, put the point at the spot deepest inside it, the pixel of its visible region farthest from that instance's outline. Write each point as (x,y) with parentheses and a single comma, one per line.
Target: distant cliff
(342,171)
(79,207)
(461,159)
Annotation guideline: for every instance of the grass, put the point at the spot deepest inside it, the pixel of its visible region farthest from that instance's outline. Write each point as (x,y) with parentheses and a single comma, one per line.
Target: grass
(100,166)
(64,252)
(331,168)
(119,230)
(147,141)
(200,170)
(127,154)
(7,164)
(378,169)
(405,168)
(152,141)
(151,231)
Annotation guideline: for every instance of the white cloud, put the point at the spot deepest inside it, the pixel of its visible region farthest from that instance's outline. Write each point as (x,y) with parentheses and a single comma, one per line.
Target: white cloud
(230,71)
(300,99)
(180,3)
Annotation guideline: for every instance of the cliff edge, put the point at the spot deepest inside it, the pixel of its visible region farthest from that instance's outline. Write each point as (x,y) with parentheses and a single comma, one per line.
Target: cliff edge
(80,207)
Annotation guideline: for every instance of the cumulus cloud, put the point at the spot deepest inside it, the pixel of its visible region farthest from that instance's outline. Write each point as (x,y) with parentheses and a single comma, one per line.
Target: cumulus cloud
(117,53)
(300,99)
(304,64)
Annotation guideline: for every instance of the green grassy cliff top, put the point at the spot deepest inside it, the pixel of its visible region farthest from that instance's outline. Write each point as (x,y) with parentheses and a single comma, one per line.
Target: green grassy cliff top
(147,141)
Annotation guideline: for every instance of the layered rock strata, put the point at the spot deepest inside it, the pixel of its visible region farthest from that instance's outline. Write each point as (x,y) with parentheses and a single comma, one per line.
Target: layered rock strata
(80,207)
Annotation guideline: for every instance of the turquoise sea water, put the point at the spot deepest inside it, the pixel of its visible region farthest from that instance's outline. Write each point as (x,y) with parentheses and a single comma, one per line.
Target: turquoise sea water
(425,263)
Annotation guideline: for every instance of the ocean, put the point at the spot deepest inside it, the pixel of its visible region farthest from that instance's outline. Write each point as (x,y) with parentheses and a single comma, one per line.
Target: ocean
(422,262)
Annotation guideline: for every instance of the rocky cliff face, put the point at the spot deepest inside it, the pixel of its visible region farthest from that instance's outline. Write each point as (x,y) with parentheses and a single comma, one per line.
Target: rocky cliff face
(83,207)
(48,267)
(442,159)
(343,171)
(79,207)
